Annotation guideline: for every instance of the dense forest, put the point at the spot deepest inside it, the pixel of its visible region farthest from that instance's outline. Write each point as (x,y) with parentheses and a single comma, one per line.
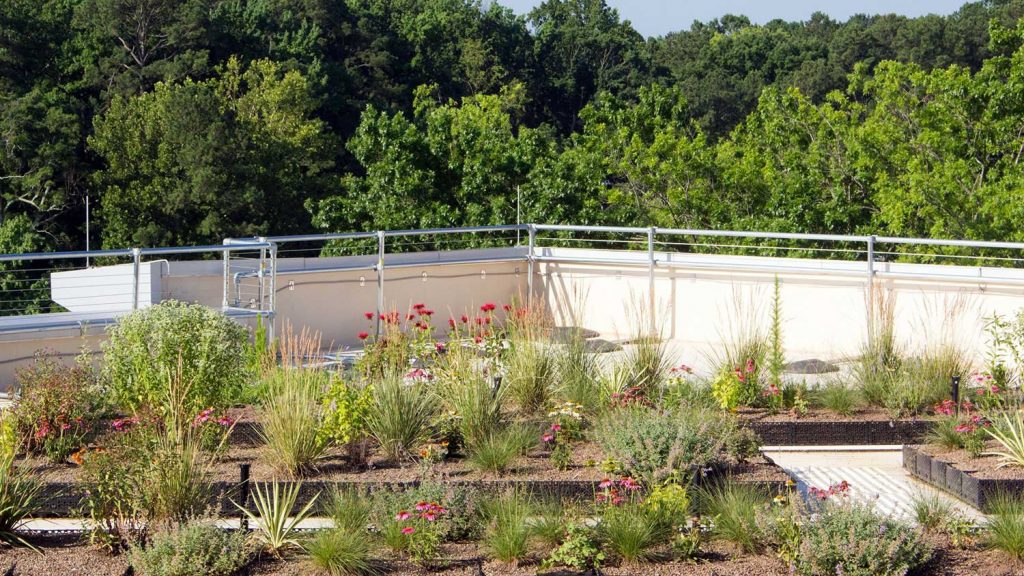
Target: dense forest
(185,121)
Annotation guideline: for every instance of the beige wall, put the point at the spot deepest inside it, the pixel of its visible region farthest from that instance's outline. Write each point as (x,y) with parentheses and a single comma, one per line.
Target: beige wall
(700,299)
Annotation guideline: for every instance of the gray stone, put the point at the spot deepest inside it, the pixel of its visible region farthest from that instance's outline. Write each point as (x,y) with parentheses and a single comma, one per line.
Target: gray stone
(812,366)
(563,333)
(598,346)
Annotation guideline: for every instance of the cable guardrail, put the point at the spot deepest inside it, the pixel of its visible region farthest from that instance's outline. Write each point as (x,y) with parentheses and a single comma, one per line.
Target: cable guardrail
(251,265)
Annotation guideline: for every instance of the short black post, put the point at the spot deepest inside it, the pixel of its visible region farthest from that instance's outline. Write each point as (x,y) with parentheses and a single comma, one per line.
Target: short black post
(496,387)
(243,486)
(954,391)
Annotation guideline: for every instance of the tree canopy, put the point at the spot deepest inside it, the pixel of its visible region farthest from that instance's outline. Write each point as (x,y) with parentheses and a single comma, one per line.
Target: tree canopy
(186,121)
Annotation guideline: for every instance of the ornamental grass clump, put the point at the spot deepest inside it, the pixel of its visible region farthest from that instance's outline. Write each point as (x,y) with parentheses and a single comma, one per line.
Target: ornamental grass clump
(291,418)
(1006,525)
(399,417)
(508,530)
(734,509)
(342,552)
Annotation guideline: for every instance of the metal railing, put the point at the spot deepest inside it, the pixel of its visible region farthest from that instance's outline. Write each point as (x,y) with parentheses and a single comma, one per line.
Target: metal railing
(250,266)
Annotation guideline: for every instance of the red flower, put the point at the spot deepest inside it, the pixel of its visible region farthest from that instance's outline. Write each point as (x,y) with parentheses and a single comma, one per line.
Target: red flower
(488,307)
(451,322)
(464,319)
(418,306)
(364,335)
(369,315)
(408,530)
(506,307)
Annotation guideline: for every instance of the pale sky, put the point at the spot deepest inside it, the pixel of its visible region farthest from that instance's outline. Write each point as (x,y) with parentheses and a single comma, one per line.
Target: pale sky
(658,17)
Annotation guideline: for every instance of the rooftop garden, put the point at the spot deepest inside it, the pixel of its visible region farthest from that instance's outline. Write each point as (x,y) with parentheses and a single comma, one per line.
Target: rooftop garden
(507,445)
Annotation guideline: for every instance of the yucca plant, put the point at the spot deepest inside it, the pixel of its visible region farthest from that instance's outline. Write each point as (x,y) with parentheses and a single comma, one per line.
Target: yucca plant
(1009,432)
(291,417)
(275,523)
(19,498)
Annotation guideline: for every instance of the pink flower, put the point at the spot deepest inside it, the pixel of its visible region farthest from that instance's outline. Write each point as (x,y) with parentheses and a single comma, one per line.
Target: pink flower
(964,428)
(606,483)
(408,530)
(403,515)
(750,365)
(629,484)
(364,335)
(547,437)
(429,516)
(556,427)
(421,506)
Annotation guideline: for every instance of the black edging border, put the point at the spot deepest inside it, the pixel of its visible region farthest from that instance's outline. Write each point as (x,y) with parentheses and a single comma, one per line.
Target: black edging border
(960,483)
(839,432)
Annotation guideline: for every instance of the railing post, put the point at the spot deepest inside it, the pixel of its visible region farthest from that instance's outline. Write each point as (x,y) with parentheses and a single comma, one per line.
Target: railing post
(136,264)
(272,304)
(871,288)
(530,255)
(650,277)
(380,280)
(227,275)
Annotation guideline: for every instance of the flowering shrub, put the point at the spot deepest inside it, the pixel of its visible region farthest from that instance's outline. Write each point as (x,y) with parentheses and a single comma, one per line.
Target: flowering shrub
(840,490)
(569,417)
(737,387)
(959,427)
(416,532)
(558,444)
(634,395)
(986,393)
(58,407)
(850,538)
(656,446)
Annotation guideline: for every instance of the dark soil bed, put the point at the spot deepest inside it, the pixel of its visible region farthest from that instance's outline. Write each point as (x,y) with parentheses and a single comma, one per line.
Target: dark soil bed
(68,556)
(825,428)
(533,472)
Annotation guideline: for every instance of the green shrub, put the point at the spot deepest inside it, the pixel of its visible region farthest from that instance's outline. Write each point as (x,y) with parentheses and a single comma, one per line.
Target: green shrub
(655,445)
(344,408)
(291,418)
(631,531)
(145,349)
(734,509)
(58,407)
(1006,525)
(340,552)
(400,416)
(497,451)
(20,497)
(191,549)
(579,550)
(852,539)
